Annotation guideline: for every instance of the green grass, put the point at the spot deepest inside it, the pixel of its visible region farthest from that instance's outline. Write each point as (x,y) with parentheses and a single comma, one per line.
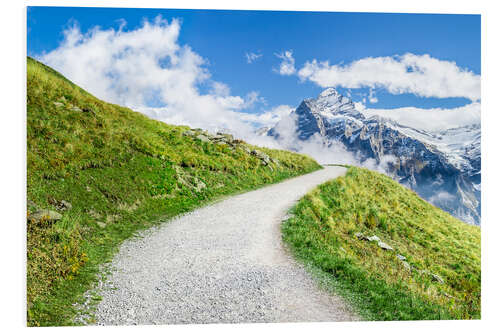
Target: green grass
(322,234)
(122,172)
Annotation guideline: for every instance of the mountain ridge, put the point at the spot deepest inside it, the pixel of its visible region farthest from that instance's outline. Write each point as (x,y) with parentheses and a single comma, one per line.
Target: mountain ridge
(443,167)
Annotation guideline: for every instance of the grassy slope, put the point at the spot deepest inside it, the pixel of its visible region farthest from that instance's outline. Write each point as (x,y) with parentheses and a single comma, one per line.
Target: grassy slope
(322,234)
(118,167)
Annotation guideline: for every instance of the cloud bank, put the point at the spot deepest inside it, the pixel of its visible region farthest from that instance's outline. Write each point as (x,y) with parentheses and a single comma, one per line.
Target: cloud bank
(323,151)
(429,119)
(421,75)
(268,118)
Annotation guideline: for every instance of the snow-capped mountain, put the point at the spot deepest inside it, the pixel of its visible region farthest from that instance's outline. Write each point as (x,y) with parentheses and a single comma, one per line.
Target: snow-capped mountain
(442,167)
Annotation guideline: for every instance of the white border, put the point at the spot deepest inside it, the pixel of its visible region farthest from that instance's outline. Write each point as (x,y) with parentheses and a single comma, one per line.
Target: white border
(13,138)
(422,6)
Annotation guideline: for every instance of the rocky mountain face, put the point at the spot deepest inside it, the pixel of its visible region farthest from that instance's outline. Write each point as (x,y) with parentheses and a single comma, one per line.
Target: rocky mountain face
(443,167)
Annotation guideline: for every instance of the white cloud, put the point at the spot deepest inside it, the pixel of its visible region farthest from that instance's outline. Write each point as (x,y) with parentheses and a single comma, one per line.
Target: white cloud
(268,118)
(287,65)
(434,119)
(251,57)
(421,75)
(371,97)
(253,98)
(323,150)
(220,89)
(148,70)
(441,198)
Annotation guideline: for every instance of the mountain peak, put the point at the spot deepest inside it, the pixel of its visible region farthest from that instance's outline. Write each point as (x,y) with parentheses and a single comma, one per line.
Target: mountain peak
(429,163)
(331,103)
(329,92)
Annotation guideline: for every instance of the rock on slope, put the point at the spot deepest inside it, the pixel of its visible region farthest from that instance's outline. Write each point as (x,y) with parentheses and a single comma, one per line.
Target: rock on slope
(442,167)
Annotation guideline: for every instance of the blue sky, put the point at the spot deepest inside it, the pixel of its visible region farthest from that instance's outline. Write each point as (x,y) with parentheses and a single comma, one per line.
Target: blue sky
(223,38)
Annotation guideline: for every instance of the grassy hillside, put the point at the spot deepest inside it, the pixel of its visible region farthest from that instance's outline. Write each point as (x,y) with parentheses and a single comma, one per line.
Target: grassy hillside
(440,274)
(120,172)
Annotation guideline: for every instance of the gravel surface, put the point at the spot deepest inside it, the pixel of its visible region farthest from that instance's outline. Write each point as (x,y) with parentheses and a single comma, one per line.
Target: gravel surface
(223,263)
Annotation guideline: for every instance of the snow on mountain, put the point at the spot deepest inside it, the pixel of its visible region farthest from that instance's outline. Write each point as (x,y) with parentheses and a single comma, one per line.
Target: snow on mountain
(443,167)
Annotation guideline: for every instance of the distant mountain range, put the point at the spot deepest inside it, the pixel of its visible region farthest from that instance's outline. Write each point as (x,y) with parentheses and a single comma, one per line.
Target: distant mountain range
(443,167)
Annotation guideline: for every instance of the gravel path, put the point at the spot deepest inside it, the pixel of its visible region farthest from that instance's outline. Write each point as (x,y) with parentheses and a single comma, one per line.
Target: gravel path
(223,263)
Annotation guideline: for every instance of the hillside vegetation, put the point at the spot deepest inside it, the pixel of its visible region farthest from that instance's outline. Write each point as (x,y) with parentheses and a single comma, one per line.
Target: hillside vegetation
(102,172)
(422,264)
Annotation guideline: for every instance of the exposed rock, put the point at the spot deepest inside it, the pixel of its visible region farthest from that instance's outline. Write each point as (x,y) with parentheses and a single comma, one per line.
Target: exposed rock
(189,133)
(360,236)
(433,276)
(75,108)
(203,138)
(225,139)
(198,184)
(52,201)
(164,196)
(60,205)
(385,246)
(101,225)
(65,205)
(112,218)
(261,155)
(400,257)
(374,238)
(436,278)
(227,136)
(188,180)
(219,137)
(94,214)
(406,265)
(58,104)
(44,215)
(182,181)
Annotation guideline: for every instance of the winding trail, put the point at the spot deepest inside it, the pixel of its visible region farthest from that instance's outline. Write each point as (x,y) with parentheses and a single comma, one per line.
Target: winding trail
(224,263)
